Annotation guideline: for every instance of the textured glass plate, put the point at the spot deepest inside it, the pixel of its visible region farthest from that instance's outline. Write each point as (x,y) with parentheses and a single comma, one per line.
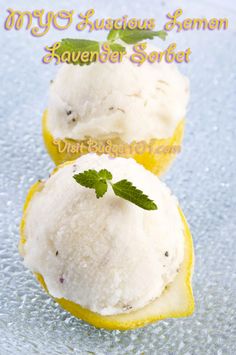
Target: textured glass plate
(203,178)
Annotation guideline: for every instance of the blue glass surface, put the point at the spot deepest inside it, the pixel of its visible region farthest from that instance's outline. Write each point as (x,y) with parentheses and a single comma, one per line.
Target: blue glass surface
(203,178)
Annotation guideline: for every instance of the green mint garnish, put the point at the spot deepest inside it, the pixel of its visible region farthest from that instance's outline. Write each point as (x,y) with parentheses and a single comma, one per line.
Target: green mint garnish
(134,36)
(73,45)
(94,180)
(99,181)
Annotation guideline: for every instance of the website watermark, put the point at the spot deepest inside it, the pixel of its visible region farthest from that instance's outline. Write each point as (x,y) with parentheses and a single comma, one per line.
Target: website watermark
(115,149)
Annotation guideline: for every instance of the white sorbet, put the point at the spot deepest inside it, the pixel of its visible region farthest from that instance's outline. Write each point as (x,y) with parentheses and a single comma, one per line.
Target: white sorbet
(108,255)
(121,100)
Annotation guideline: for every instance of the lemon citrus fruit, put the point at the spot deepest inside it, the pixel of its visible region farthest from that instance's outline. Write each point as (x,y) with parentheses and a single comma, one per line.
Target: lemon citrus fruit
(155,155)
(175,301)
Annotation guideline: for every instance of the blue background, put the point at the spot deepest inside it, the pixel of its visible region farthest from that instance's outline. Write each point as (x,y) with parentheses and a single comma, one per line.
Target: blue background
(203,178)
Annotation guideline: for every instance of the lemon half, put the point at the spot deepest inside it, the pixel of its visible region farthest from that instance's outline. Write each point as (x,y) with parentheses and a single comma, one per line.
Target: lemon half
(155,156)
(175,301)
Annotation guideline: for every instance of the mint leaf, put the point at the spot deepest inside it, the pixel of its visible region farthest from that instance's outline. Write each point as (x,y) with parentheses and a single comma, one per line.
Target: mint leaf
(117,47)
(94,180)
(134,36)
(113,35)
(78,45)
(99,180)
(105,174)
(128,191)
(100,188)
(88,178)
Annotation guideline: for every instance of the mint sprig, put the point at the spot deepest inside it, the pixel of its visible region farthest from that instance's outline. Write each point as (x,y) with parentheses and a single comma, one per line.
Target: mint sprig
(99,180)
(94,180)
(127,36)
